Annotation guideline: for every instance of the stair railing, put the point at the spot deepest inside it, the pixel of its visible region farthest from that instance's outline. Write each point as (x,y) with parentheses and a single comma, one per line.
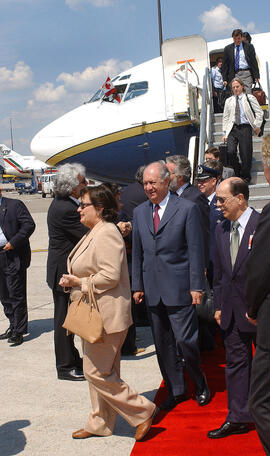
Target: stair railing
(206,115)
(268,88)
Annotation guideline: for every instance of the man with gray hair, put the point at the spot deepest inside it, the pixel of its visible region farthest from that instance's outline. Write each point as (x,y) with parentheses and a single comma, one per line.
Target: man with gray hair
(180,174)
(168,272)
(65,230)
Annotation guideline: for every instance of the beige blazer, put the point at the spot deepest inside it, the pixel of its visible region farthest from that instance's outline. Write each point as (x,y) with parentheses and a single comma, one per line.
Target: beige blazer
(229,113)
(100,256)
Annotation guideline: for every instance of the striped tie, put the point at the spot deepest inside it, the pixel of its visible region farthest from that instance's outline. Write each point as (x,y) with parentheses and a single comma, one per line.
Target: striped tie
(237,56)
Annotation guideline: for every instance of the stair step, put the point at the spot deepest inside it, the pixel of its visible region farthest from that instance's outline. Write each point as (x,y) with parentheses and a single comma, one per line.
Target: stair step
(258,202)
(258,178)
(259,190)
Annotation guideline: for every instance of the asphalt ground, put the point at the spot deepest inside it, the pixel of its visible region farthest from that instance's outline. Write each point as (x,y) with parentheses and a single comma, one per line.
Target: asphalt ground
(38,412)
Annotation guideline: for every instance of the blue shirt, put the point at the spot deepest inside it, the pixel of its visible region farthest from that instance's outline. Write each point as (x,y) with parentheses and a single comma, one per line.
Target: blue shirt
(3,239)
(243,118)
(216,76)
(243,65)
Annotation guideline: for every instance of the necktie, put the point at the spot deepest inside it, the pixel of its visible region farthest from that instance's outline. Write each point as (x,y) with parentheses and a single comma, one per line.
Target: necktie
(234,244)
(156,218)
(237,120)
(236,60)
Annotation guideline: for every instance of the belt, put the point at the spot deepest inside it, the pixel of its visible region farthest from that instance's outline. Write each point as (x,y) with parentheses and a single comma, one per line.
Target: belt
(242,125)
(243,69)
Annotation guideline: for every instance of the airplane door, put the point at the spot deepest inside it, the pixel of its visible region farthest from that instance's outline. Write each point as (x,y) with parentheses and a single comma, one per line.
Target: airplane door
(184,62)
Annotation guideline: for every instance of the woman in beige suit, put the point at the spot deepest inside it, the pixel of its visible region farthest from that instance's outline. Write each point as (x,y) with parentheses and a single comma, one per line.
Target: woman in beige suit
(100,257)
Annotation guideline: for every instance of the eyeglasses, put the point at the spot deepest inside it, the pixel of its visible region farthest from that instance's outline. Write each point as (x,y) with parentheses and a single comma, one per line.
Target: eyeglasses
(84,205)
(223,200)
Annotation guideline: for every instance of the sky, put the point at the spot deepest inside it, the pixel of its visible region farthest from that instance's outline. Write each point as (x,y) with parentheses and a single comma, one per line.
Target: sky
(55,53)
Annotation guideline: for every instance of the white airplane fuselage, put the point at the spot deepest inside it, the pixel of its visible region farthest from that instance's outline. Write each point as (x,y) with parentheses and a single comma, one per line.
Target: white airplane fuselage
(113,139)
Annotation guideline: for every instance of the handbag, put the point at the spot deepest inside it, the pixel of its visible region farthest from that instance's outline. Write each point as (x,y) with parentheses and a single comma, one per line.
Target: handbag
(263,122)
(84,319)
(259,94)
(205,310)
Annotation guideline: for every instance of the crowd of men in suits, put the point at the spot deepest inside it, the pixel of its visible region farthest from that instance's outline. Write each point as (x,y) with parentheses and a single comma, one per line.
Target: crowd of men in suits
(179,232)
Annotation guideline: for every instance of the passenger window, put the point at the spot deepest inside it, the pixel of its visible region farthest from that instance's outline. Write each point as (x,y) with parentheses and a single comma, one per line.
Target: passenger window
(136,89)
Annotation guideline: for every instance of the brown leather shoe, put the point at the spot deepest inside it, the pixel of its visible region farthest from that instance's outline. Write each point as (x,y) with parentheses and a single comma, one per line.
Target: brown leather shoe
(81,434)
(143,428)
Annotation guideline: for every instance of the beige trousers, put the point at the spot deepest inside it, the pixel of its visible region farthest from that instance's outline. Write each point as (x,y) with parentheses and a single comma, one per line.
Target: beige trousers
(109,394)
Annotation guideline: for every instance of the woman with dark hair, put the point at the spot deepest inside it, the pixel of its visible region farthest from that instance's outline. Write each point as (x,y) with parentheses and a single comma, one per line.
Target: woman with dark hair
(101,259)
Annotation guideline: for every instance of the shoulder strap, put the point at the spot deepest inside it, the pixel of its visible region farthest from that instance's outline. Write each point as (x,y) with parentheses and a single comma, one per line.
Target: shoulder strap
(250,106)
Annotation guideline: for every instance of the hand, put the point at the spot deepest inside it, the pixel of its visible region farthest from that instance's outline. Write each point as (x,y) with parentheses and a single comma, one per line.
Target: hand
(138,297)
(196,297)
(217,316)
(225,83)
(8,246)
(125,228)
(224,139)
(251,320)
(215,93)
(257,131)
(69,280)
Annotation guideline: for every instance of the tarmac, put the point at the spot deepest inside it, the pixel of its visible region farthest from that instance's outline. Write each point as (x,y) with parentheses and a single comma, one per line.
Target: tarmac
(38,412)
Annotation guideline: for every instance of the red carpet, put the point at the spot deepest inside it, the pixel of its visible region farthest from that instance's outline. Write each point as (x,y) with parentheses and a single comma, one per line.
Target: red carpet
(183,430)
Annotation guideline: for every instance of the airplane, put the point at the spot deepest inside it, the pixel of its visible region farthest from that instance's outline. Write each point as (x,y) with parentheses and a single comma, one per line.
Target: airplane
(158,114)
(19,165)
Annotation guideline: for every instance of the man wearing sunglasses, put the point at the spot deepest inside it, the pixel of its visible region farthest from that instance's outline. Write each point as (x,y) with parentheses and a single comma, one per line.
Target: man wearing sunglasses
(65,230)
(233,244)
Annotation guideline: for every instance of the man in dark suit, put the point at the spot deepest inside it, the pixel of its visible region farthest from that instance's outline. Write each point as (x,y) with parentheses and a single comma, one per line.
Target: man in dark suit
(208,176)
(239,60)
(233,240)
(65,230)
(16,226)
(180,174)
(168,271)
(258,299)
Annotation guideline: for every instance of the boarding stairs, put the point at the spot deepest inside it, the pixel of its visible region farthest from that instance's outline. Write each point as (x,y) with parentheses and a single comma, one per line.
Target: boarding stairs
(259,188)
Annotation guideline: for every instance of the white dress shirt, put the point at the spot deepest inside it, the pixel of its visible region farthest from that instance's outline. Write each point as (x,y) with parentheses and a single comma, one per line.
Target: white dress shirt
(162,206)
(243,65)
(243,220)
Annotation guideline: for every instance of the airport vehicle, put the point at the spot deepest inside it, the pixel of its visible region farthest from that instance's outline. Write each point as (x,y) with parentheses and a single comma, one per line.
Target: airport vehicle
(159,113)
(47,183)
(19,165)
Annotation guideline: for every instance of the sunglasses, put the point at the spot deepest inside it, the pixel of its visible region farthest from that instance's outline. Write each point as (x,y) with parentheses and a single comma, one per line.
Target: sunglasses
(84,205)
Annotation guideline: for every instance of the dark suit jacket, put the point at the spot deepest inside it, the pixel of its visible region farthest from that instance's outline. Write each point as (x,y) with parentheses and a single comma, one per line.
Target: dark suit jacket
(131,196)
(170,263)
(216,216)
(65,230)
(228,71)
(258,279)
(229,284)
(192,193)
(17,225)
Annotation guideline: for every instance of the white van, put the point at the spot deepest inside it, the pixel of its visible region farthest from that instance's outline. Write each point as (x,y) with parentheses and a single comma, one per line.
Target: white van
(47,184)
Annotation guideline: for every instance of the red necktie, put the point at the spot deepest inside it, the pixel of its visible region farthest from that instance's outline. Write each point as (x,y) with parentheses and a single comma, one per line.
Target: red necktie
(156,218)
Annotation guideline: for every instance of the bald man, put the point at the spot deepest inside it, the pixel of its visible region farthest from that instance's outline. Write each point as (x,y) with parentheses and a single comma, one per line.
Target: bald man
(233,243)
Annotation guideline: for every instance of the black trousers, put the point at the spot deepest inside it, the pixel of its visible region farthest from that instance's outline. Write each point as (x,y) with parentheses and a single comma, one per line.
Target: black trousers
(242,135)
(13,291)
(66,354)
(175,330)
(238,346)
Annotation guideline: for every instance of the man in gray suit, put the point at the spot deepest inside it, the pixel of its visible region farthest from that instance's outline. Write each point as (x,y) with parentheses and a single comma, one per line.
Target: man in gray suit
(168,272)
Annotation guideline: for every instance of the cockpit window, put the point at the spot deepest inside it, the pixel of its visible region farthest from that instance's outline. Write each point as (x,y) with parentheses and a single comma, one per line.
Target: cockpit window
(98,95)
(136,89)
(127,76)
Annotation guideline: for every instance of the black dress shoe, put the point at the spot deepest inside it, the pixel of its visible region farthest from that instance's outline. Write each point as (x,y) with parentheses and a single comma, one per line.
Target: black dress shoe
(15,339)
(75,375)
(203,397)
(172,402)
(227,429)
(6,335)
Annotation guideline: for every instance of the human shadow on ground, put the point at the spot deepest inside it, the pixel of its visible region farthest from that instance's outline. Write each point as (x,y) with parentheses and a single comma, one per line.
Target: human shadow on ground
(38,327)
(12,439)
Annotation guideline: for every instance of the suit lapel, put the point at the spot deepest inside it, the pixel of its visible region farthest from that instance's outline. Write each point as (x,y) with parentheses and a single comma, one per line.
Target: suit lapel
(3,210)
(148,213)
(243,248)
(83,244)
(170,210)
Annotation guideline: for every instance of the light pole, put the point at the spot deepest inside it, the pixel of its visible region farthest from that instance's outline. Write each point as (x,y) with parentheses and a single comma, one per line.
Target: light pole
(160,26)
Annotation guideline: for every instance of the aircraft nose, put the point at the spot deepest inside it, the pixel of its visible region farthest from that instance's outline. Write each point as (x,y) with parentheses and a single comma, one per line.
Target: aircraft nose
(47,143)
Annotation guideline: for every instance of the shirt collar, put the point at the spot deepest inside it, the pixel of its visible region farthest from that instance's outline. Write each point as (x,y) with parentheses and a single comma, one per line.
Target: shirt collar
(74,199)
(244,218)
(240,46)
(164,201)
(211,197)
(180,190)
